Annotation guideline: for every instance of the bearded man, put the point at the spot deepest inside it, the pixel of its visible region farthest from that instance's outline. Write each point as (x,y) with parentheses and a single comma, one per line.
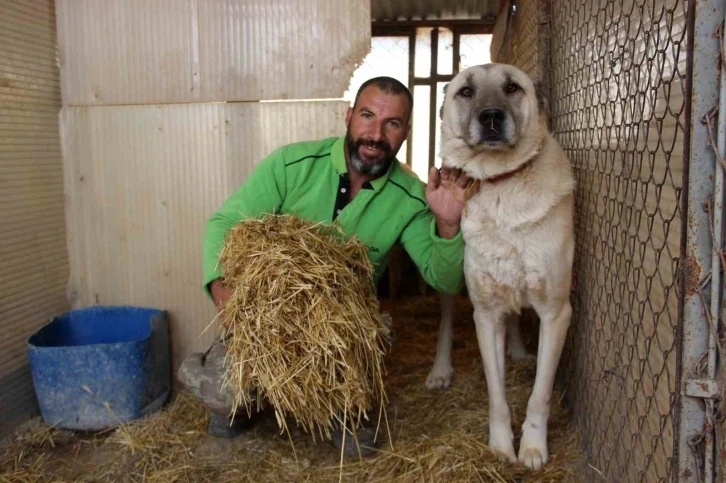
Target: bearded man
(357,182)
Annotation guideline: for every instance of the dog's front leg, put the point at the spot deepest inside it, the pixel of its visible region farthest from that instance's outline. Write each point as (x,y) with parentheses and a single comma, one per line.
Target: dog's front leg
(554,321)
(440,375)
(491,335)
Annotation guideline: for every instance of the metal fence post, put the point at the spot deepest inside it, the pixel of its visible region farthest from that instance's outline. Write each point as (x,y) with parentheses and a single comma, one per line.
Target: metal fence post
(701,285)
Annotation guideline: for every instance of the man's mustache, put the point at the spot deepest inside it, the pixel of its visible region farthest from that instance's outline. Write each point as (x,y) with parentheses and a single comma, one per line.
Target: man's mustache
(380,145)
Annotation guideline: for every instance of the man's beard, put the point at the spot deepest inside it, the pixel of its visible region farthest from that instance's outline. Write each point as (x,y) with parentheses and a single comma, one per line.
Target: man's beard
(369,168)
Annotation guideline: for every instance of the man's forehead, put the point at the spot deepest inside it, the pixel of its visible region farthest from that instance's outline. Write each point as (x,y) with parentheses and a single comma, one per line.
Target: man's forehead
(373,93)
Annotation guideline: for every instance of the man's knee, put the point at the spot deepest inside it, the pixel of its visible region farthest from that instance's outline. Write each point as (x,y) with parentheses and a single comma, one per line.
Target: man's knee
(191,372)
(203,376)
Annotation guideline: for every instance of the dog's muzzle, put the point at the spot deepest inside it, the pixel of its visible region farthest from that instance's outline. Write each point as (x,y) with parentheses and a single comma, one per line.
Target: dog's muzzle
(492,122)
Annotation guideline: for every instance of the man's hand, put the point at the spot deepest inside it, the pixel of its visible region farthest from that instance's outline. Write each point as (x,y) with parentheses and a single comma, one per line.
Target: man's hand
(446,199)
(220,295)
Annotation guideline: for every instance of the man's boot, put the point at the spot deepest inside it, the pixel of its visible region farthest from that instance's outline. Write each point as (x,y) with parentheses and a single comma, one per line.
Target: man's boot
(362,445)
(222,427)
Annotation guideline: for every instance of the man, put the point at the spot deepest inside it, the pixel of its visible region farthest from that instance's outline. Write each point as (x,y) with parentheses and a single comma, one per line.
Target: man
(357,181)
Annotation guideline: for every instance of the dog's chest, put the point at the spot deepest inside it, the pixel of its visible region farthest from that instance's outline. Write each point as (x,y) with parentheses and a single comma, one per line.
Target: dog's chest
(497,261)
(488,237)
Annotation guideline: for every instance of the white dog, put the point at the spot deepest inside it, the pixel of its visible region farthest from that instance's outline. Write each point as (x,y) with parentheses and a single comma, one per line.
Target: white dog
(519,234)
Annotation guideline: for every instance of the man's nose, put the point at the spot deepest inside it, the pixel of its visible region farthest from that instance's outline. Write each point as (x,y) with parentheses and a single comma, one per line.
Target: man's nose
(377,131)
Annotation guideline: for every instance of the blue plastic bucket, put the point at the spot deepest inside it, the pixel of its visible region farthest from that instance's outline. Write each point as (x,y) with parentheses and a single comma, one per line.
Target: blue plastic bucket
(97,367)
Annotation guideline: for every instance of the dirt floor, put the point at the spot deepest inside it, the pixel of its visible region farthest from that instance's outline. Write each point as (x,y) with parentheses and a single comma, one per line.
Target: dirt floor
(435,436)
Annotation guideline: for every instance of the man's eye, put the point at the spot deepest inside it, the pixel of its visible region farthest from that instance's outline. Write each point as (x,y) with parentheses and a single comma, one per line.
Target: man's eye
(466,92)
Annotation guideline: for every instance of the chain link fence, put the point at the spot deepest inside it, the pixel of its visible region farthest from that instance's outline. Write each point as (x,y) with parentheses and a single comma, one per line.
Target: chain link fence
(616,75)
(618,109)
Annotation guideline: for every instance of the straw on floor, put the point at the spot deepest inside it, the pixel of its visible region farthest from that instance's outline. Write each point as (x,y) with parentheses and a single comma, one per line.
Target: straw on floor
(436,435)
(305,332)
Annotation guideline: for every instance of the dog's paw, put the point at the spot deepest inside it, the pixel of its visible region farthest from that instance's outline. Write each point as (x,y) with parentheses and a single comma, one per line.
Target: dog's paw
(440,377)
(533,447)
(533,458)
(501,440)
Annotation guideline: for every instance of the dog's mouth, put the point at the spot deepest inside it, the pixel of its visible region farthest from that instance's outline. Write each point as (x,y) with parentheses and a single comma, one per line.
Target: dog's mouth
(491,140)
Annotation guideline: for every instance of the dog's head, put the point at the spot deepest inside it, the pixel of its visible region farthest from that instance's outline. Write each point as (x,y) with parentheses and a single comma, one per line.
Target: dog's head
(494,108)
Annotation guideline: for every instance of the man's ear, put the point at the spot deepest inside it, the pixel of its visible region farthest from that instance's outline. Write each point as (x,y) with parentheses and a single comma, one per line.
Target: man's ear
(348,115)
(542,102)
(441,111)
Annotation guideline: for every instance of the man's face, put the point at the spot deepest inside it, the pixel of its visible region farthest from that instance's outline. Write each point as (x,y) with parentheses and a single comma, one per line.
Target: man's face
(377,127)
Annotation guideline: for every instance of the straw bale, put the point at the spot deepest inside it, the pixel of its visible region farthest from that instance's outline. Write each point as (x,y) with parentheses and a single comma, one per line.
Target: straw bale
(305,332)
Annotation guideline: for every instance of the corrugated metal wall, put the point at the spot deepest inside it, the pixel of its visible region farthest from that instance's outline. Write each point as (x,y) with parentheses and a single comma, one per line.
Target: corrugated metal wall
(142,180)
(164,51)
(34,261)
(433,9)
(155,138)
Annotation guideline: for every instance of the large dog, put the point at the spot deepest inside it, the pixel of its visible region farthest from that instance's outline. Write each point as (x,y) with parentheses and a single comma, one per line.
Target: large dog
(518,230)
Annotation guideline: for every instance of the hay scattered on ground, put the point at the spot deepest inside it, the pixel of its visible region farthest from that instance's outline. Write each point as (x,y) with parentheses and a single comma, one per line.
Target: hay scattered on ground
(149,445)
(23,458)
(436,436)
(306,334)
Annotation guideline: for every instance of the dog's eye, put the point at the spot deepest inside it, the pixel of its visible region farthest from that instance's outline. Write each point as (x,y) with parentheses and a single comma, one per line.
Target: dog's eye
(512,88)
(466,92)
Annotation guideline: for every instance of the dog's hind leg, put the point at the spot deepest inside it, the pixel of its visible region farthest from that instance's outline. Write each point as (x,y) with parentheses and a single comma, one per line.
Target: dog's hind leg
(491,335)
(555,319)
(441,373)
(515,344)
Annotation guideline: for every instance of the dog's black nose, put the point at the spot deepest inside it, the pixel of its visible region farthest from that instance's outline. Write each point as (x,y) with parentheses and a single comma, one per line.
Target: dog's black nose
(492,122)
(491,116)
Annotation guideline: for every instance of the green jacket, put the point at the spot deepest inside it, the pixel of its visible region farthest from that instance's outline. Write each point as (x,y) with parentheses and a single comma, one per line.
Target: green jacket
(310,179)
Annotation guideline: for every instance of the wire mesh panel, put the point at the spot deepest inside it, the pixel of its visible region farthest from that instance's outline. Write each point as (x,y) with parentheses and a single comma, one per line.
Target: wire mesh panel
(618,109)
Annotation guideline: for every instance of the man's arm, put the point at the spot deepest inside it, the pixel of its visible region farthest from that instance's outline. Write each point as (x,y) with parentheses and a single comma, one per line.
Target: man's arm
(433,239)
(263,192)
(440,260)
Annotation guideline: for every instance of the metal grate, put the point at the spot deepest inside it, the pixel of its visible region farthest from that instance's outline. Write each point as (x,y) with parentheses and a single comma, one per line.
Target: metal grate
(618,109)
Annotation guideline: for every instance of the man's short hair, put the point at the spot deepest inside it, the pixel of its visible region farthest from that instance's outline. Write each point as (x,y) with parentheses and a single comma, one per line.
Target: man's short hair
(388,85)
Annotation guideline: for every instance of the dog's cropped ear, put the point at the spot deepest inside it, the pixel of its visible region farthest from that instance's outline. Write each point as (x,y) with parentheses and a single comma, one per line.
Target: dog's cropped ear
(441,110)
(542,101)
